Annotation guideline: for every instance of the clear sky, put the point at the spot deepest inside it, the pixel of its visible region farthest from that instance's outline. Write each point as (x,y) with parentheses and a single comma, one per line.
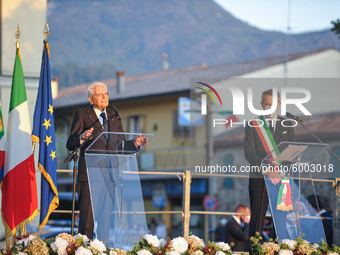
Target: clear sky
(305,15)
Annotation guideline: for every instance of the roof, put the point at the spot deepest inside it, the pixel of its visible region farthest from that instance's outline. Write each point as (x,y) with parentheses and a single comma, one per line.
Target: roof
(324,126)
(167,82)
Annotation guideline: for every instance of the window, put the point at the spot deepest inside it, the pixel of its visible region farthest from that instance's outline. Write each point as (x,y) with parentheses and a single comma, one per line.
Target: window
(181,134)
(134,124)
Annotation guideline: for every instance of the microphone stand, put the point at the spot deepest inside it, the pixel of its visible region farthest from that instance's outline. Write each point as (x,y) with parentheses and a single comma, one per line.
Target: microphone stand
(300,121)
(73,156)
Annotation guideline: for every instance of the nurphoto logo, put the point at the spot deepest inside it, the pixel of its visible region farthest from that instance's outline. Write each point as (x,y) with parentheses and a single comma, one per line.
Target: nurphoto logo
(238,100)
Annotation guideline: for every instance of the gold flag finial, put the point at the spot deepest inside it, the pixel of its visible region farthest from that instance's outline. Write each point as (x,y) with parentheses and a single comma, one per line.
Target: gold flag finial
(17,36)
(46,31)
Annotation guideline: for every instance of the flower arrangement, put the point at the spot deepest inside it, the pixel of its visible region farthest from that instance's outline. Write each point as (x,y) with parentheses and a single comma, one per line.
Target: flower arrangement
(178,246)
(291,247)
(65,244)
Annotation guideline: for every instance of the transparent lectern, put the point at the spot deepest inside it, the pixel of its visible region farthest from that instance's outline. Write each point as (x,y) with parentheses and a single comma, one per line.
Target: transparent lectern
(293,163)
(115,189)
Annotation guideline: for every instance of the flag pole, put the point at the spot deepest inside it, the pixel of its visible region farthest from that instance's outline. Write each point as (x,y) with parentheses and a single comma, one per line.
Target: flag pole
(17,46)
(46,33)
(17,36)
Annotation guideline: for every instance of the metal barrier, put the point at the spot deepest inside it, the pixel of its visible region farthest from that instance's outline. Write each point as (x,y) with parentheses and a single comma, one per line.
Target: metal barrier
(186,213)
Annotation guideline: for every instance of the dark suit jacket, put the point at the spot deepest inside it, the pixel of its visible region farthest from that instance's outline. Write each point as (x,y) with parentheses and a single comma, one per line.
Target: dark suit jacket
(236,234)
(327,227)
(254,151)
(82,120)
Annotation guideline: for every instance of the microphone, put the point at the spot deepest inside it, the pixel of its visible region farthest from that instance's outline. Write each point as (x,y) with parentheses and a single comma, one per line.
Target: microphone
(93,123)
(291,116)
(115,112)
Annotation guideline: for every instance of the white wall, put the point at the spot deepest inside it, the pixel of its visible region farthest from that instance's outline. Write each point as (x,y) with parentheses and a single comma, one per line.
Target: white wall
(319,73)
(324,64)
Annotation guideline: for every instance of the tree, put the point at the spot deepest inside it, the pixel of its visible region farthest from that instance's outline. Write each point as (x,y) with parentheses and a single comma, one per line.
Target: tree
(336,27)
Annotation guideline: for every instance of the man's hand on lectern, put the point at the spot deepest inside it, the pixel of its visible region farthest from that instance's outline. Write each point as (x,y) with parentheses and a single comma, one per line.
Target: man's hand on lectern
(141,141)
(274,177)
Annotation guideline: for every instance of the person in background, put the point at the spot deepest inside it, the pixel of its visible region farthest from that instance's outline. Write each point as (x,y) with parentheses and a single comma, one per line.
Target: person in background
(161,230)
(237,229)
(268,228)
(152,226)
(219,231)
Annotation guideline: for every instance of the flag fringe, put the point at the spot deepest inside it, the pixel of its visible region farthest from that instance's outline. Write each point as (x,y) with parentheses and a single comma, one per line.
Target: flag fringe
(19,55)
(284,207)
(11,232)
(54,205)
(55,202)
(48,48)
(35,139)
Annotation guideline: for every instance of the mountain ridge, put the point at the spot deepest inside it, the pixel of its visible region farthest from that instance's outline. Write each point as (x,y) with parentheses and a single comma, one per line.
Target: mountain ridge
(91,40)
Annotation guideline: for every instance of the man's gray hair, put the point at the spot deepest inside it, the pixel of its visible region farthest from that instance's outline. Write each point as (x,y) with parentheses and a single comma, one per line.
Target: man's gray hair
(90,89)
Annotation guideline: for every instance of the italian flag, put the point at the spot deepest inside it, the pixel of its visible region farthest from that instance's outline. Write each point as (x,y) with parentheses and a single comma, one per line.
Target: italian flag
(19,188)
(2,147)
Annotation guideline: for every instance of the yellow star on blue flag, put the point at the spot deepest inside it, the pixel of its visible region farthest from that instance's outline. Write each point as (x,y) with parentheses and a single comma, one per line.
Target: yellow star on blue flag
(47,123)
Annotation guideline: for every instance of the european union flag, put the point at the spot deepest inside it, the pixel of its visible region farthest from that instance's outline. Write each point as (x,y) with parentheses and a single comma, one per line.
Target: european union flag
(44,134)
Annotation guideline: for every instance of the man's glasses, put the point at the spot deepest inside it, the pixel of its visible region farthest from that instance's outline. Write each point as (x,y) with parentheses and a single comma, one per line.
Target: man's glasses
(101,94)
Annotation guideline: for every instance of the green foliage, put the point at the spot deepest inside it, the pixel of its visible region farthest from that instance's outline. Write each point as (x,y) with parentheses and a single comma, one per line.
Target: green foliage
(256,246)
(73,74)
(102,35)
(301,247)
(336,27)
(143,244)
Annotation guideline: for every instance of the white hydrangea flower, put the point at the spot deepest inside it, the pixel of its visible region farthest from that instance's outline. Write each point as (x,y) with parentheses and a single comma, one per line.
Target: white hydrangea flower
(290,243)
(22,253)
(179,244)
(199,252)
(98,245)
(83,251)
(152,240)
(144,252)
(220,253)
(26,240)
(112,252)
(173,253)
(59,246)
(286,252)
(332,253)
(223,246)
(80,237)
